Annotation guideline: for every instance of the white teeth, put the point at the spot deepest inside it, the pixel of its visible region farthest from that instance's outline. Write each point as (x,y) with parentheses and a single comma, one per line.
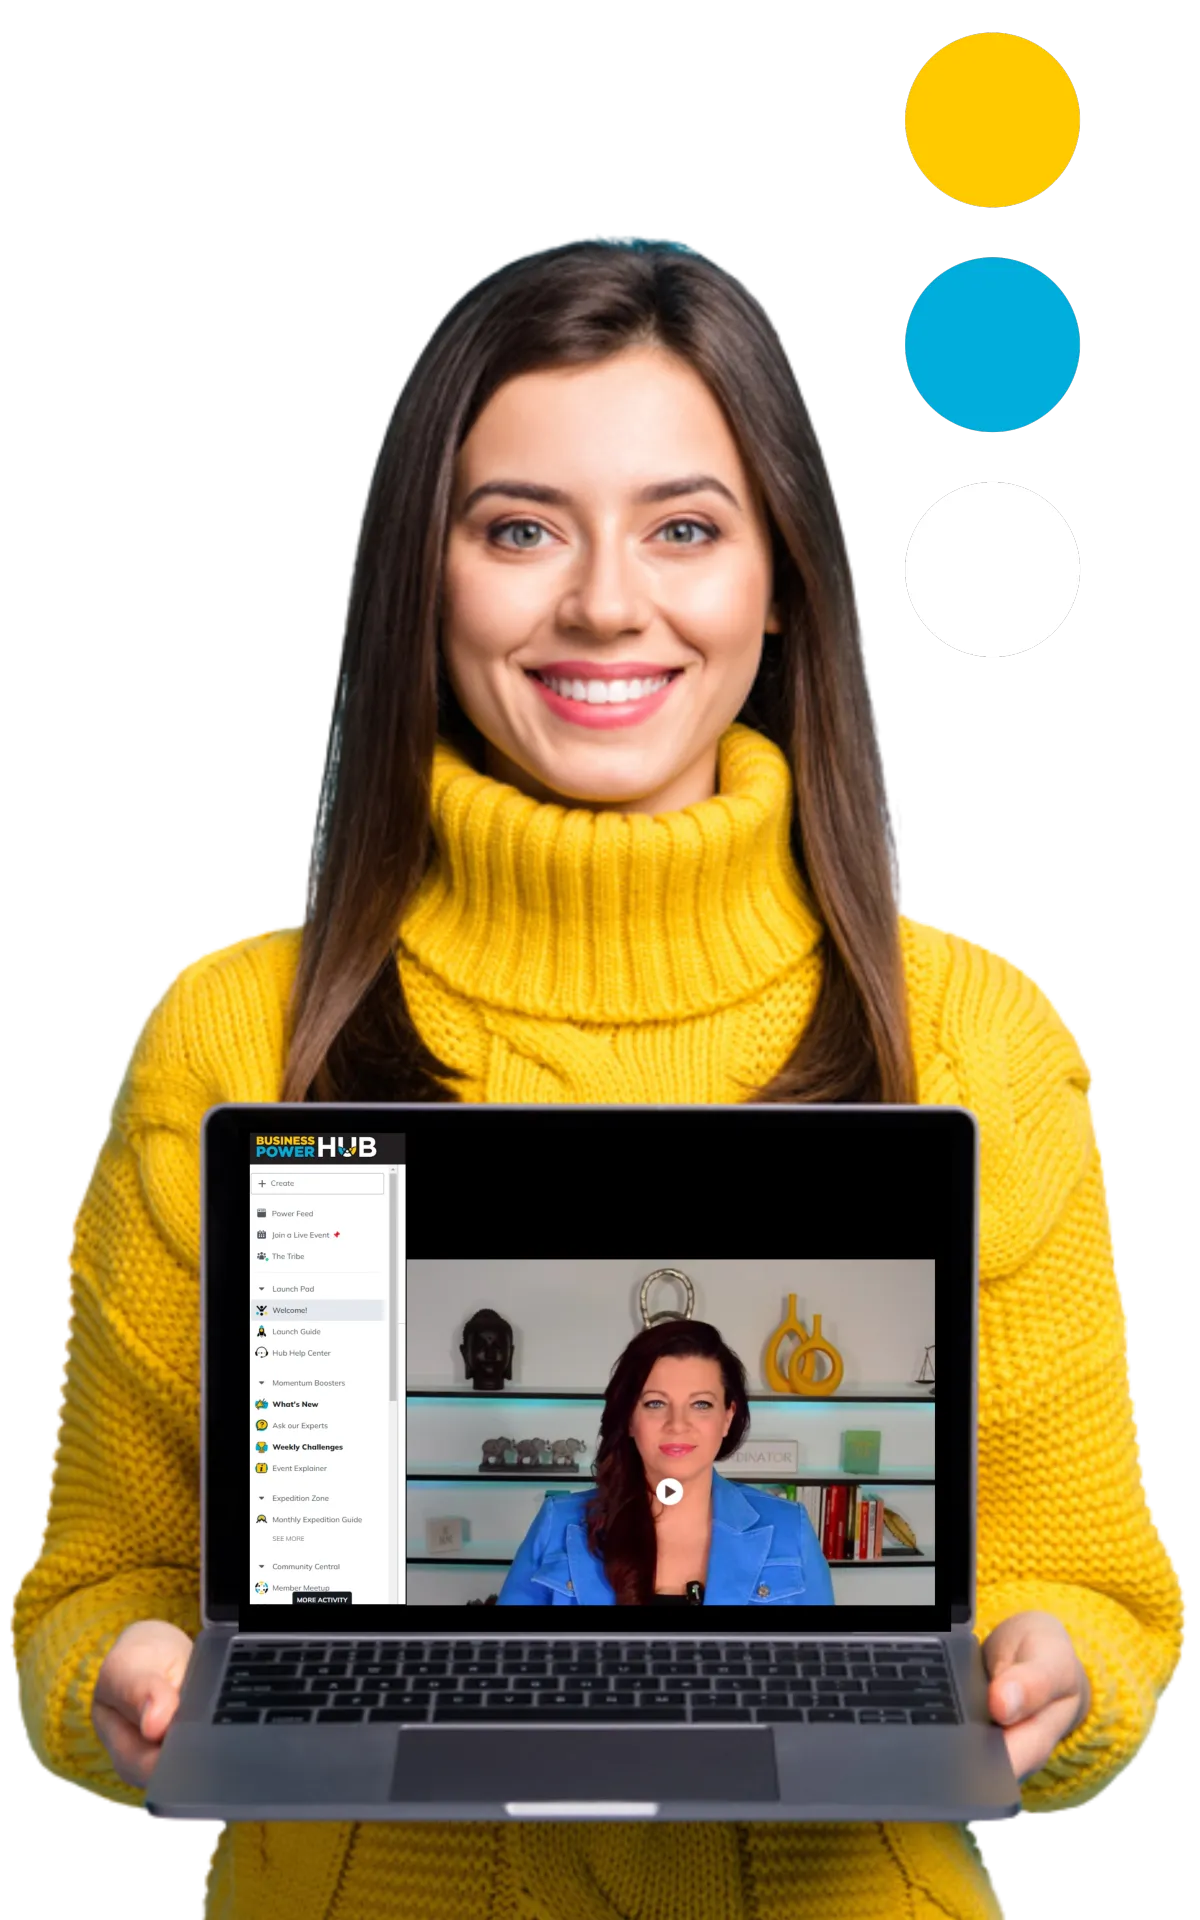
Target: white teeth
(598,693)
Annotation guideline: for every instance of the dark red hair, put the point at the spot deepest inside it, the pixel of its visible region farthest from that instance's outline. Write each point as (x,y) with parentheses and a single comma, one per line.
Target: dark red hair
(620,1525)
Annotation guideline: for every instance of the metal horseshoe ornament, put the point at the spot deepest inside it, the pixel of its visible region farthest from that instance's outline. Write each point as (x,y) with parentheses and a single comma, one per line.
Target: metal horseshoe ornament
(666,1313)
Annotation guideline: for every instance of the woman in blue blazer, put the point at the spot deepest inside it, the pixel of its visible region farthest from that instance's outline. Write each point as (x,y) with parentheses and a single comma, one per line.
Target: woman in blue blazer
(676,1403)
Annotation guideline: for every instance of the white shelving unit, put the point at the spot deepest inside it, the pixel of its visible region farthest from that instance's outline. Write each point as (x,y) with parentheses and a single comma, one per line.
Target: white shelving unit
(448,1422)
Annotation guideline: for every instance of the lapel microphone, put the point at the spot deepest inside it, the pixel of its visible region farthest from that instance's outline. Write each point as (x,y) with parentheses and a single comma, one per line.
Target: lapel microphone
(695,1593)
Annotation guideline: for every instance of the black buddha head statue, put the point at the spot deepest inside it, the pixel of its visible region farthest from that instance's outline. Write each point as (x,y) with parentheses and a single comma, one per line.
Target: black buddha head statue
(487,1350)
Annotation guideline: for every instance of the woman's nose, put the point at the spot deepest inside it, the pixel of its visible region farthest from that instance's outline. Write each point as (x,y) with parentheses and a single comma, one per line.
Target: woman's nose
(607,593)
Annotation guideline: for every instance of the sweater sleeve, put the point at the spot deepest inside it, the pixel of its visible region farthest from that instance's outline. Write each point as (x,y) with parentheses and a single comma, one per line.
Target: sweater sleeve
(122,1537)
(1063,1522)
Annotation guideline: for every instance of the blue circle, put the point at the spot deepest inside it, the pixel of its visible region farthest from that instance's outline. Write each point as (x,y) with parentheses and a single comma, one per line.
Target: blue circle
(992,344)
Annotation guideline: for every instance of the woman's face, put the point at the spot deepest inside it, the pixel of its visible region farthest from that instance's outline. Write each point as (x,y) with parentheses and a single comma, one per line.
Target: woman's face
(605,540)
(681,1418)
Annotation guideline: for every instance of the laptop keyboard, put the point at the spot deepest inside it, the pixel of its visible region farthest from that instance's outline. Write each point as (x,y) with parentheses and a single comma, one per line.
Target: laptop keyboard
(444,1682)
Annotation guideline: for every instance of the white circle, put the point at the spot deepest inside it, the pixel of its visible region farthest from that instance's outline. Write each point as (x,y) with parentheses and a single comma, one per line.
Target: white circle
(992,568)
(669,1492)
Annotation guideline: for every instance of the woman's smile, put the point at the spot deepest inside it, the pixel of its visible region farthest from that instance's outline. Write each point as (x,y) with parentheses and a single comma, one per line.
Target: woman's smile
(605,703)
(675,1449)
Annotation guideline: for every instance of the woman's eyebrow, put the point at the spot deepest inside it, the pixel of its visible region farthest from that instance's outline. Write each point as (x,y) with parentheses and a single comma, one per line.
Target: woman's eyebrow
(556,497)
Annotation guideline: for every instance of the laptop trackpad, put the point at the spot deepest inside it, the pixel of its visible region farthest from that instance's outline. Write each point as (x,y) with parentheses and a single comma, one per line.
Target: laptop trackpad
(575,1763)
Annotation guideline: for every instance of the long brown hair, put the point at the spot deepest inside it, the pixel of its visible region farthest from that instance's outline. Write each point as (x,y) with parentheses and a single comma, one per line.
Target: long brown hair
(620,1524)
(351,1034)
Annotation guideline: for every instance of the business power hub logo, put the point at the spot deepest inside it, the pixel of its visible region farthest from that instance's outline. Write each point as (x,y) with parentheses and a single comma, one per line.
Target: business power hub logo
(314,1146)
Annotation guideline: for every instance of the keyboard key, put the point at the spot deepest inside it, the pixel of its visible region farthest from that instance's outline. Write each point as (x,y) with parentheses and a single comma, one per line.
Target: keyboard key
(920,1693)
(721,1713)
(235,1717)
(551,1716)
(287,1716)
(781,1713)
(291,1699)
(340,1713)
(933,1716)
(265,1688)
(830,1713)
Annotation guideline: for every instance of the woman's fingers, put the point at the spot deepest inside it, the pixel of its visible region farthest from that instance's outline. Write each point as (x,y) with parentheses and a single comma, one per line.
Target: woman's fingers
(133,1756)
(1031,1741)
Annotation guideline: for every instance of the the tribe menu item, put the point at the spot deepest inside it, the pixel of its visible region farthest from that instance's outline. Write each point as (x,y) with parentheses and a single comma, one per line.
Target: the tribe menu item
(327,1341)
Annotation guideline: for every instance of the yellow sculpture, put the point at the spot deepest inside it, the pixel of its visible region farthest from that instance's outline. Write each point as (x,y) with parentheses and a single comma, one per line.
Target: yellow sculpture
(777,1379)
(799,1375)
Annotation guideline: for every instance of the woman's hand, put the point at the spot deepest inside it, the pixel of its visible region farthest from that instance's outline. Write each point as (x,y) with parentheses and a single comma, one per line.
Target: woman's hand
(137,1692)
(1031,1655)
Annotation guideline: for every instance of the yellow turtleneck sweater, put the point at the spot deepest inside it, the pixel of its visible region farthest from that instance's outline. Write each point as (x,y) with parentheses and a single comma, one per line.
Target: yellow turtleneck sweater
(559,954)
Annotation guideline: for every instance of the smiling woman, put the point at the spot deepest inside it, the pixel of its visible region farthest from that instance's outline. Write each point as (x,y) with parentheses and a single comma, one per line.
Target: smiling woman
(628,597)
(662,1526)
(603,819)
(601,536)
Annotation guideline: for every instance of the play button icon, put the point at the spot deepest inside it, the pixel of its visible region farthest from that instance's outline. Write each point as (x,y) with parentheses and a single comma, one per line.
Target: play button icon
(669,1492)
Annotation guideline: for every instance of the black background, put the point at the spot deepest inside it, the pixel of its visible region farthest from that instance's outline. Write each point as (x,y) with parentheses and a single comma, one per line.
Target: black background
(233,285)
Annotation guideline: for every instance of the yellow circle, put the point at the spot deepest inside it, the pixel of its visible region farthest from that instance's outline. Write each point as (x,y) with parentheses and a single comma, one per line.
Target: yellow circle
(992,119)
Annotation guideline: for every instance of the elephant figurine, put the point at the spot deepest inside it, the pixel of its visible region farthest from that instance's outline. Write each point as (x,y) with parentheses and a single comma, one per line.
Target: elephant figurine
(529,1452)
(494,1452)
(562,1452)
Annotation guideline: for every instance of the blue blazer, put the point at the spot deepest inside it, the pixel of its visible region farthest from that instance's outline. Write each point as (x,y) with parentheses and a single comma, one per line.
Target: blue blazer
(764,1553)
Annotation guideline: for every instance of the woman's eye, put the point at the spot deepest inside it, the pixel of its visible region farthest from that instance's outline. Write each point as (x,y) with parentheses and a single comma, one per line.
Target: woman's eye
(651,1405)
(507,527)
(703,527)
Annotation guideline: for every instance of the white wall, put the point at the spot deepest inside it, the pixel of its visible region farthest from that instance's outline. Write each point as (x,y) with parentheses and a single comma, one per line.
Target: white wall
(571,1318)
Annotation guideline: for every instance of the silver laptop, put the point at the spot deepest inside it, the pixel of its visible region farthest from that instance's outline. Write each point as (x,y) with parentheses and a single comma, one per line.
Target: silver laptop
(417,1328)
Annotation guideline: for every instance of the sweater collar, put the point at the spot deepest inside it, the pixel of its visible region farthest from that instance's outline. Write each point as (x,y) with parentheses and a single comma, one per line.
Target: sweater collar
(573,914)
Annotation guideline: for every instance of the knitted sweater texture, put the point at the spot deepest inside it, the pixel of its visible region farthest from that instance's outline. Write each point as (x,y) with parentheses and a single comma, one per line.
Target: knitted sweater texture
(558,954)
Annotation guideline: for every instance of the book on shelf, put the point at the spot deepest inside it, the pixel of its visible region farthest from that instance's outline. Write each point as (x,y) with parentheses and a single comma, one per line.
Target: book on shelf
(849,1524)
(846,1518)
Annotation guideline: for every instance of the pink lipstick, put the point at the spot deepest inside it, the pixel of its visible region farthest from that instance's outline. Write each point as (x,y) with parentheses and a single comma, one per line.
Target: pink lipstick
(614,695)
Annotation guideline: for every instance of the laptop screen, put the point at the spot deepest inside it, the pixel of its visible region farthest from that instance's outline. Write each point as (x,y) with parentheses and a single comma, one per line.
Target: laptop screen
(523,1359)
